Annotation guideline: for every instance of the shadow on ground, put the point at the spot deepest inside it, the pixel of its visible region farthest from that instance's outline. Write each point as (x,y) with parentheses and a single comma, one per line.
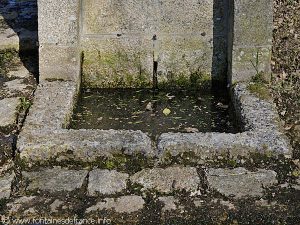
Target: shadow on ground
(20,17)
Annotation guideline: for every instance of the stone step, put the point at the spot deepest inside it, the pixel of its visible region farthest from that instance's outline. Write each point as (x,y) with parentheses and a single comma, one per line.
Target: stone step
(237,183)
(9,109)
(160,194)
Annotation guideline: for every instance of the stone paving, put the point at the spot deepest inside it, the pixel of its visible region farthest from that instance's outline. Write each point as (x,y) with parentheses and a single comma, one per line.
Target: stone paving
(217,190)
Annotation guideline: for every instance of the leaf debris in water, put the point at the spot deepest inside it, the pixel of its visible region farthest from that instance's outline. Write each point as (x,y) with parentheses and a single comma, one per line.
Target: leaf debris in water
(166,111)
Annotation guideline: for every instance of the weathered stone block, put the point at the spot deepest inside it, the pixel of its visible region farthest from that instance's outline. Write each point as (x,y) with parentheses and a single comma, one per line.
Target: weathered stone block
(170,203)
(168,180)
(248,62)
(253,22)
(102,17)
(185,32)
(180,57)
(147,17)
(240,182)
(82,145)
(10,38)
(9,113)
(117,62)
(59,63)
(55,180)
(185,16)
(53,105)
(59,37)
(106,182)
(5,185)
(58,22)
(250,33)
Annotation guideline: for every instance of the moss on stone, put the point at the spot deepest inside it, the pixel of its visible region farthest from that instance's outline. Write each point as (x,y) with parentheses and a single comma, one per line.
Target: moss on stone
(8,59)
(121,162)
(114,70)
(259,87)
(195,80)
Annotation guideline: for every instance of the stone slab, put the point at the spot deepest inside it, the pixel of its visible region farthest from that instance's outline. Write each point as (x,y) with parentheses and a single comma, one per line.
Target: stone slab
(52,105)
(167,180)
(55,180)
(106,182)
(56,204)
(254,113)
(249,61)
(250,33)
(59,63)
(5,185)
(209,145)
(119,16)
(19,203)
(58,26)
(240,182)
(123,204)
(18,86)
(185,17)
(82,145)
(9,113)
(170,203)
(183,56)
(117,62)
(20,72)
(150,17)
(58,22)
(253,22)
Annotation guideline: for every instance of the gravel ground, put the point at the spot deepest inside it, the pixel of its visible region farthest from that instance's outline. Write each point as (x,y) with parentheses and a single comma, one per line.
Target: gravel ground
(286,67)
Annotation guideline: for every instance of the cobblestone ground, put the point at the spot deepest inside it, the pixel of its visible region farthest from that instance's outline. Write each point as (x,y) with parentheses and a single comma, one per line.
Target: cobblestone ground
(260,190)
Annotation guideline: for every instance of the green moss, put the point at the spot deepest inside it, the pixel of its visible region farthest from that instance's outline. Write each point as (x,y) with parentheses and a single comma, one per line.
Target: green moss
(296,173)
(8,59)
(260,90)
(194,81)
(25,104)
(114,70)
(117,161)
(121,162)
(259,87)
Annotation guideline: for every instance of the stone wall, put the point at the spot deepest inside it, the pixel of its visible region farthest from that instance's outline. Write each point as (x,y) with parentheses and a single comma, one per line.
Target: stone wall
(118,41)
(251,39)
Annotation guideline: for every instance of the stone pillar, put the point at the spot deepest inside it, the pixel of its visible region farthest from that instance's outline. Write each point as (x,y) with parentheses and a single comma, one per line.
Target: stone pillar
(59,56)
(250,39)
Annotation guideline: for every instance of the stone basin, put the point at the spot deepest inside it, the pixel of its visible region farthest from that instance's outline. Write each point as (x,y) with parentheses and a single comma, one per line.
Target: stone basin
(86,44)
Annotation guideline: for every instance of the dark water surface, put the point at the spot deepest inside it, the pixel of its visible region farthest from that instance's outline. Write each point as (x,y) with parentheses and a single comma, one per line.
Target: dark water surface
(154,112)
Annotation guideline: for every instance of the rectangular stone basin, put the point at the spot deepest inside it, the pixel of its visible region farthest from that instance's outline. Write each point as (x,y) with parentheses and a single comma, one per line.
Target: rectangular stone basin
(46,140)
(125,44)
